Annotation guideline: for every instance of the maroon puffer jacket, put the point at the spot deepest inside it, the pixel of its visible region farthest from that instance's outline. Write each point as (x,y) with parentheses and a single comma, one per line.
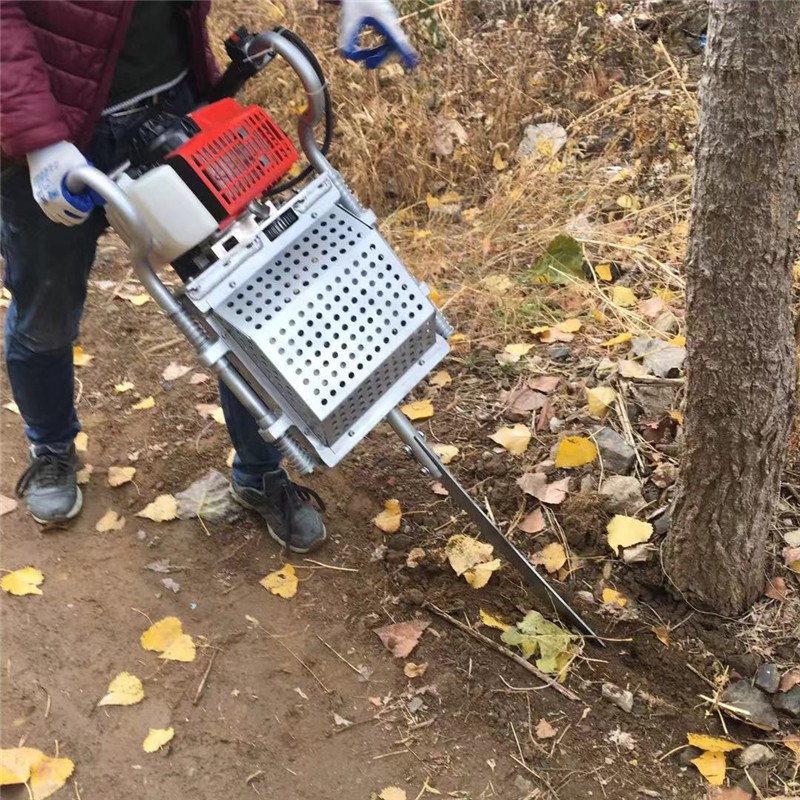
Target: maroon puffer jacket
(57,60)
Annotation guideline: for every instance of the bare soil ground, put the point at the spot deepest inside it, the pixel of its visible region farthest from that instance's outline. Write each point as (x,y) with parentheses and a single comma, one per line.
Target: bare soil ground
(264,723)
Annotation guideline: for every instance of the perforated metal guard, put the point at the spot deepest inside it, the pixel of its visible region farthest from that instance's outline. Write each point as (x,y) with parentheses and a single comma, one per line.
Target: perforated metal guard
(334,321)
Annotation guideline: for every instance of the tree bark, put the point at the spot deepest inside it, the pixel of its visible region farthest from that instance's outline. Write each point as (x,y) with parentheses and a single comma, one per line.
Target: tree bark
(741,345)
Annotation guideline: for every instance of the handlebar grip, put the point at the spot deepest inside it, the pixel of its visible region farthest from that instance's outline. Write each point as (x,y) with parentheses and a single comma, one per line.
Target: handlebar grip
(229,85)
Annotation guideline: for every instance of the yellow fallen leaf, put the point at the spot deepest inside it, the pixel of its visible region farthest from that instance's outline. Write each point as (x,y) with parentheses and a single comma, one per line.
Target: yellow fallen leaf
(624,297)
(478,576)
(121,388)
(665,294)
(497,284)
(569,325)
(48,775)
(621,339)
(711,766)
(662,634)
(555,334)
(518,349)
(79,357)
(492,622)
(83,474)
(167,637)
(603,271)
(498,162)
(282,582)
(422,234)
(16,763)
(12,407)
(678,341)
(465,552)
(552,557)
(412,670)
(434,296)
(458,338)
(144,404)
(600,399)
(136,299)
(22,581)
(124,690)
(446,452)
(540,329)
(81,441)
(628,202)
(157,738)
(705,742)
(119,475)
(626,531)
(162,509)
(677,416)
(614,597)
(441,378)
(514,438)
(392,793)
(420,409)
(389,519)
(575,451)
(110,521)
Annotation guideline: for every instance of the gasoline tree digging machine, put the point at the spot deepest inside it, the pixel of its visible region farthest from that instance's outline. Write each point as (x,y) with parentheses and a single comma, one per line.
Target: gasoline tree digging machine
(290,294)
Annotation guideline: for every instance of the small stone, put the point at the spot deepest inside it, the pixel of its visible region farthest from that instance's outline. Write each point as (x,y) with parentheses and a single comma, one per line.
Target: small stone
(586,597)
(621,698)
(687,754)
(523,785)
(623,494)
(559,352)
(788,702)
(638,553)
(753,703)
(768,678)
(664,475)
(755,754)
(588,484)
(616,454)
(399,541)
(555,425)
(413,597)
(544,139)
(662,522)
(666,322)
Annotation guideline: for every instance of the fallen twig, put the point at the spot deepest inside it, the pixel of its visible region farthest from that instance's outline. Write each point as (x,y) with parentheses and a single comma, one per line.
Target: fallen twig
(340,656)
(320,565)
(568,693)
(202,684)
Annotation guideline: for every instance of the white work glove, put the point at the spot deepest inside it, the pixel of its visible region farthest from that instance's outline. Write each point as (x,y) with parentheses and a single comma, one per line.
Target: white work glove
(48,170)
(380,15)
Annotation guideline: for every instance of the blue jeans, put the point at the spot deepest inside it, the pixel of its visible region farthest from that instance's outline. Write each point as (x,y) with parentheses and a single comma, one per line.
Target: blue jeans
(47,269)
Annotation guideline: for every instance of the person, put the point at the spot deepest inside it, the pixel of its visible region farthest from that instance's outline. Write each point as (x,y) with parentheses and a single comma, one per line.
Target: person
(76,80)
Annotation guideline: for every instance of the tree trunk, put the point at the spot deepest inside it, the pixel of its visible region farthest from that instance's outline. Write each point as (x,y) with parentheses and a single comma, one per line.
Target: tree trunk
(741,345)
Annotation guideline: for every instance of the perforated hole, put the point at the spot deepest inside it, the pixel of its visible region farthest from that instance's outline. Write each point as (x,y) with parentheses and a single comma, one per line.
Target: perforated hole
(330,362)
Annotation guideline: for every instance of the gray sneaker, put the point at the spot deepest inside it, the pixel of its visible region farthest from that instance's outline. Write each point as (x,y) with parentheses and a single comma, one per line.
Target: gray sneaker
(50,485)
(292,520)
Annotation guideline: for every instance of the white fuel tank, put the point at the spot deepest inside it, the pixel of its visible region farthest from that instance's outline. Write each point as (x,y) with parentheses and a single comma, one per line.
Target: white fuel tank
(177,219)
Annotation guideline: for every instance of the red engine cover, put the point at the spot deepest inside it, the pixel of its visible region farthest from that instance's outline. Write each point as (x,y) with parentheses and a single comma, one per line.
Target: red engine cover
(238,154)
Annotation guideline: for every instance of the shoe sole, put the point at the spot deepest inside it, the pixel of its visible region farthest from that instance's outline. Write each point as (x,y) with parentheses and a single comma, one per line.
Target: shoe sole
(71,514)
(299,550)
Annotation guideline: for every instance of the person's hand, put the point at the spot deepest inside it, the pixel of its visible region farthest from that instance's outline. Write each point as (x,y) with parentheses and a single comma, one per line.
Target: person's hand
(380,15)
(48,170)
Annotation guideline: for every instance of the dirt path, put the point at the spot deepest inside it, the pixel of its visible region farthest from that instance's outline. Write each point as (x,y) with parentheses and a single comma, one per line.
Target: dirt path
(265,724)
